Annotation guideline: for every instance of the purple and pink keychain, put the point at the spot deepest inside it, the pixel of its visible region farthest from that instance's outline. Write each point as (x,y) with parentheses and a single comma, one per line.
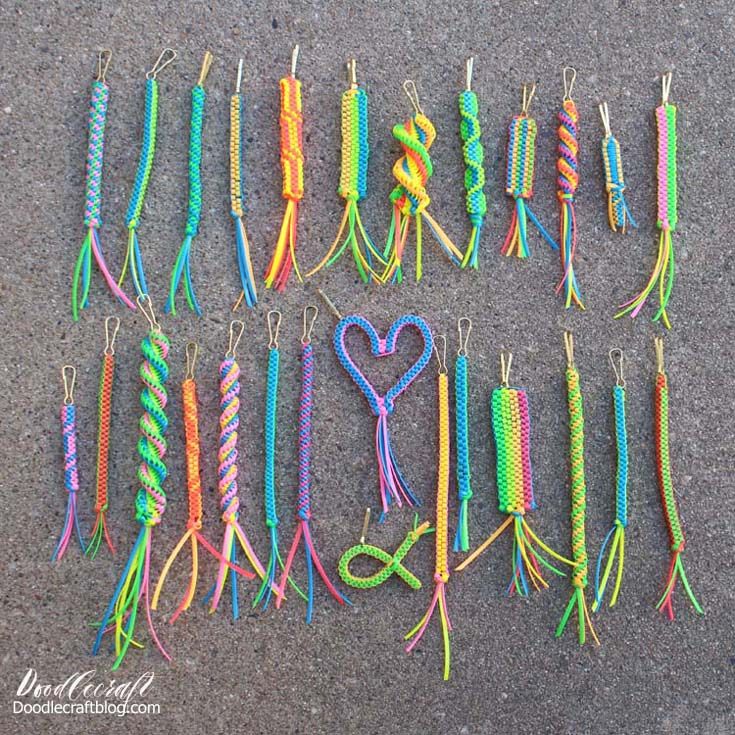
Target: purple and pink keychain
(394,488)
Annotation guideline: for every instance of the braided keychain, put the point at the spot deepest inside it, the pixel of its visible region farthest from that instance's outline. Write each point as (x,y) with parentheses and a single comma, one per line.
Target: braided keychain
(474,158)
(303,513)
(71,472)
(461,405)
(392,563)
(567,181)
(150,500)
(227,456)
(663,272)
(409,197)
(292,166)
(618,212)
(520,155)
(93,196)
(615,538)
(194,213)
(579,499)
(353,186)
(193,531)
(511,425)
(393,486)
(242,244)
(441,568)
(145,164)
(104,402)
(668,496)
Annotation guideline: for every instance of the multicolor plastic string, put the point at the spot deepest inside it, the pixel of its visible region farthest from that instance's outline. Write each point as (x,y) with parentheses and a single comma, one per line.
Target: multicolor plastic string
(668,496)
(615,539)
(353,186)
(567,181)
(227,471)
(104,406)
(93,196)
(461,406)
(71,472)
(242,244)
(133,257)
(511,425)
(520,156)
(662,276)
(579,500)
(182,266)
(292,166)
(441,567)
(474,159)
(392,563)
(303,511)
(409,197)
(121,613)
(269,585)
(618,212)
(393,486)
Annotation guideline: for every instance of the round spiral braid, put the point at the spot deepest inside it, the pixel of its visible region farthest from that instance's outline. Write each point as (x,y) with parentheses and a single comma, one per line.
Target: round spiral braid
(567,181)
(474,177)
(464,485)
(414,168)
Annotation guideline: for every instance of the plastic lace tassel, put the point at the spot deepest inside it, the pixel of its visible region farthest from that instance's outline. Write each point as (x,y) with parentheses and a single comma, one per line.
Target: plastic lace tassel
(409,197)
(71,471)
(133,258)
(662,276)
(303,513)
(441,568)
(353,187)
(292,166)
(107,376)
(93,197)
(618,212)
(579,501)
(511,425)
(520,156)
(194,214)
(668,496)
(121,614)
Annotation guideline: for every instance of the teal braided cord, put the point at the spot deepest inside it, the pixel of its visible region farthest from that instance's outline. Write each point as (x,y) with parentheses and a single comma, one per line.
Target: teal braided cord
(195,160)
(271,517)
(95,152)
(474,156)
(621,438)
(145,164)
(464,488)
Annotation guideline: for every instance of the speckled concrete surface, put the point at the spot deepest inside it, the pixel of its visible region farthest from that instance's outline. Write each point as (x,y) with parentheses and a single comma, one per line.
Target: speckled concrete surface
(347,673)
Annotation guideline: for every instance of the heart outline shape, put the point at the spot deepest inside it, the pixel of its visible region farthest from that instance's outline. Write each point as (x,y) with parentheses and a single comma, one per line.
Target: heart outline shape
(382,347)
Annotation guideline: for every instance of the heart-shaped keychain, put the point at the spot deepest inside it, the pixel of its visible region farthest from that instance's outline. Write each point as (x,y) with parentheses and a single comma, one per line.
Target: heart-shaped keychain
(393,486)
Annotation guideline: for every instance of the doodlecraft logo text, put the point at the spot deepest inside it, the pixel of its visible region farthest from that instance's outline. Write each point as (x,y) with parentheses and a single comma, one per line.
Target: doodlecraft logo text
(83,694)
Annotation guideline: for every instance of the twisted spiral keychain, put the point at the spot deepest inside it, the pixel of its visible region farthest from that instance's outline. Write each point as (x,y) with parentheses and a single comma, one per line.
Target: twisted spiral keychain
(567,180)
(409,197)
(121,613)
(133,257)
(520,158)
(511,425)
(93,196)
(292,167)
(104,408)
(441,568)
(579,500)
(242,244)
(353,186)
(182,267)
(662,276)
(227,472)
(668,495)
(71,471)
(618,212)
(474,159)
(615,538)
(303,513)
(461,436)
